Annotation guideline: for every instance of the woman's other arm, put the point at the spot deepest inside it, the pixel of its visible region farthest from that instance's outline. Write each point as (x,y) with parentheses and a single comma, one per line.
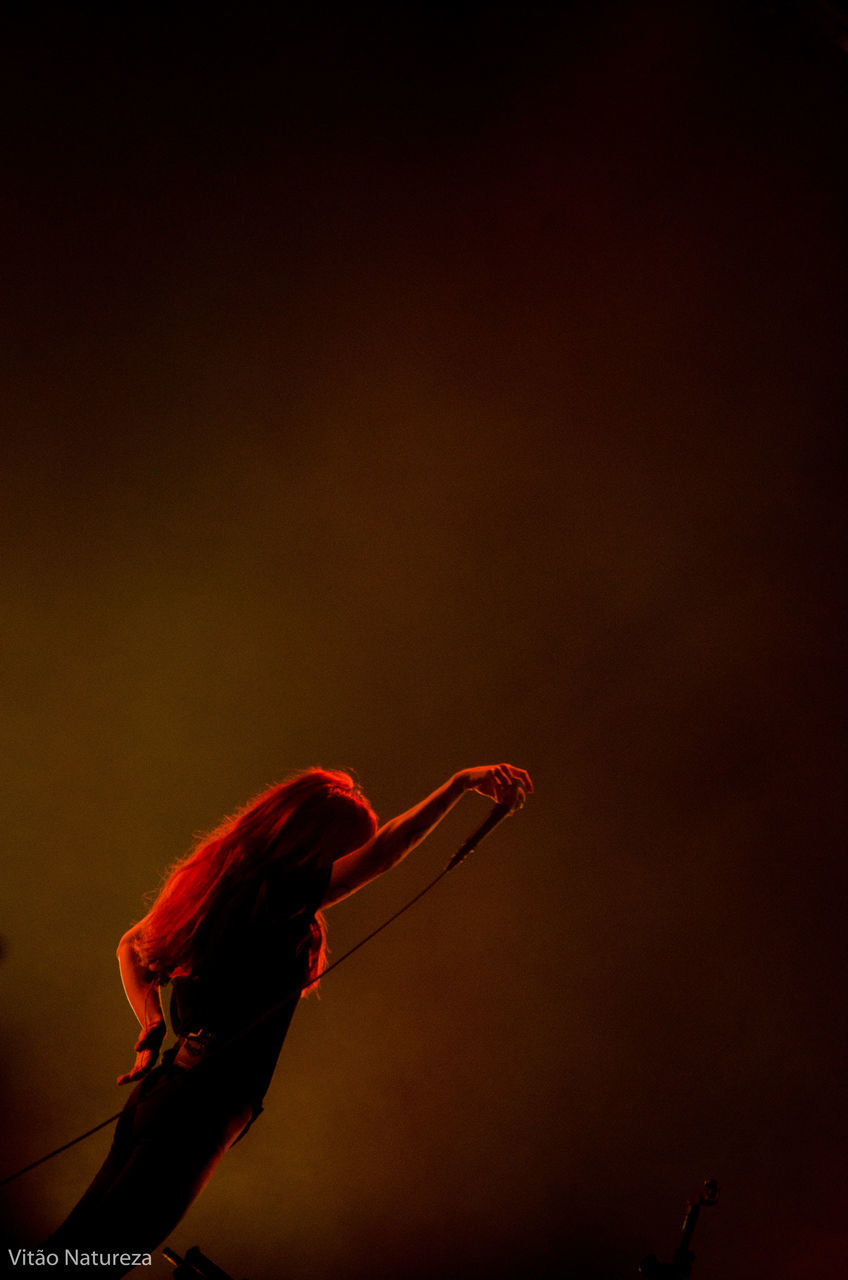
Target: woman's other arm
(395,839)
(143,995)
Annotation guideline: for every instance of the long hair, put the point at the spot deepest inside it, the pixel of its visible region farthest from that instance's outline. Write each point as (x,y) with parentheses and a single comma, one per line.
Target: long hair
(308,820)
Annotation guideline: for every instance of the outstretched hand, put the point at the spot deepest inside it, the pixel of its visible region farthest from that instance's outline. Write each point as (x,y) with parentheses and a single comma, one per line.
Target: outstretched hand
(502,783)
(146,1053)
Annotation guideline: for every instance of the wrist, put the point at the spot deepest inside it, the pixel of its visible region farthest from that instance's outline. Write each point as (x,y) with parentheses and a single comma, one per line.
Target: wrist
(151,1035)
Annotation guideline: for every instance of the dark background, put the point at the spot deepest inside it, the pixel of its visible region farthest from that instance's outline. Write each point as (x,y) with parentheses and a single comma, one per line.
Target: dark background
(407,388)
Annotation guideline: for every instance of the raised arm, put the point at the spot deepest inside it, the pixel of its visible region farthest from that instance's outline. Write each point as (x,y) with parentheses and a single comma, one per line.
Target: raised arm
(398,837)
(143,995)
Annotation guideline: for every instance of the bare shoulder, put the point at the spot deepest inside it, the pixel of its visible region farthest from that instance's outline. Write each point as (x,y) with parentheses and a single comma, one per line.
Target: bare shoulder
(132,934)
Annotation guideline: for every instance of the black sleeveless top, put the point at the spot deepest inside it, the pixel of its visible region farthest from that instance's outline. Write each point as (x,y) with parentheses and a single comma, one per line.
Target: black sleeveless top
(240,1003)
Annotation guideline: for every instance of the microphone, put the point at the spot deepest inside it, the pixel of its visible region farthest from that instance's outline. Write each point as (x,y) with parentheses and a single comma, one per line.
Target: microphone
(497,815)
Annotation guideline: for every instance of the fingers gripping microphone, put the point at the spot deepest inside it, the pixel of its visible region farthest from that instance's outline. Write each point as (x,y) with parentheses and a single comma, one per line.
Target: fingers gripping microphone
(497,815)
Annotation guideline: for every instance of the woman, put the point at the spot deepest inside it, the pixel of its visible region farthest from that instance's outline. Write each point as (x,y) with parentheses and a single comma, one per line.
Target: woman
(237,929)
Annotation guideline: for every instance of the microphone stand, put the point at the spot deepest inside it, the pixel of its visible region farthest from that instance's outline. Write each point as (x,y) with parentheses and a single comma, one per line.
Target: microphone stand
(680,1268)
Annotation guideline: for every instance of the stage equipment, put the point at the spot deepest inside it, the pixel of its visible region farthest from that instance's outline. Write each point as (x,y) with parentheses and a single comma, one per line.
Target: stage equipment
(681,1267)
(194,1266)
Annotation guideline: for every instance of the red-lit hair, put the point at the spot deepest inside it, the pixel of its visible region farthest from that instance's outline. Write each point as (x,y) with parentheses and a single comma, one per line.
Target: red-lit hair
(310,819)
